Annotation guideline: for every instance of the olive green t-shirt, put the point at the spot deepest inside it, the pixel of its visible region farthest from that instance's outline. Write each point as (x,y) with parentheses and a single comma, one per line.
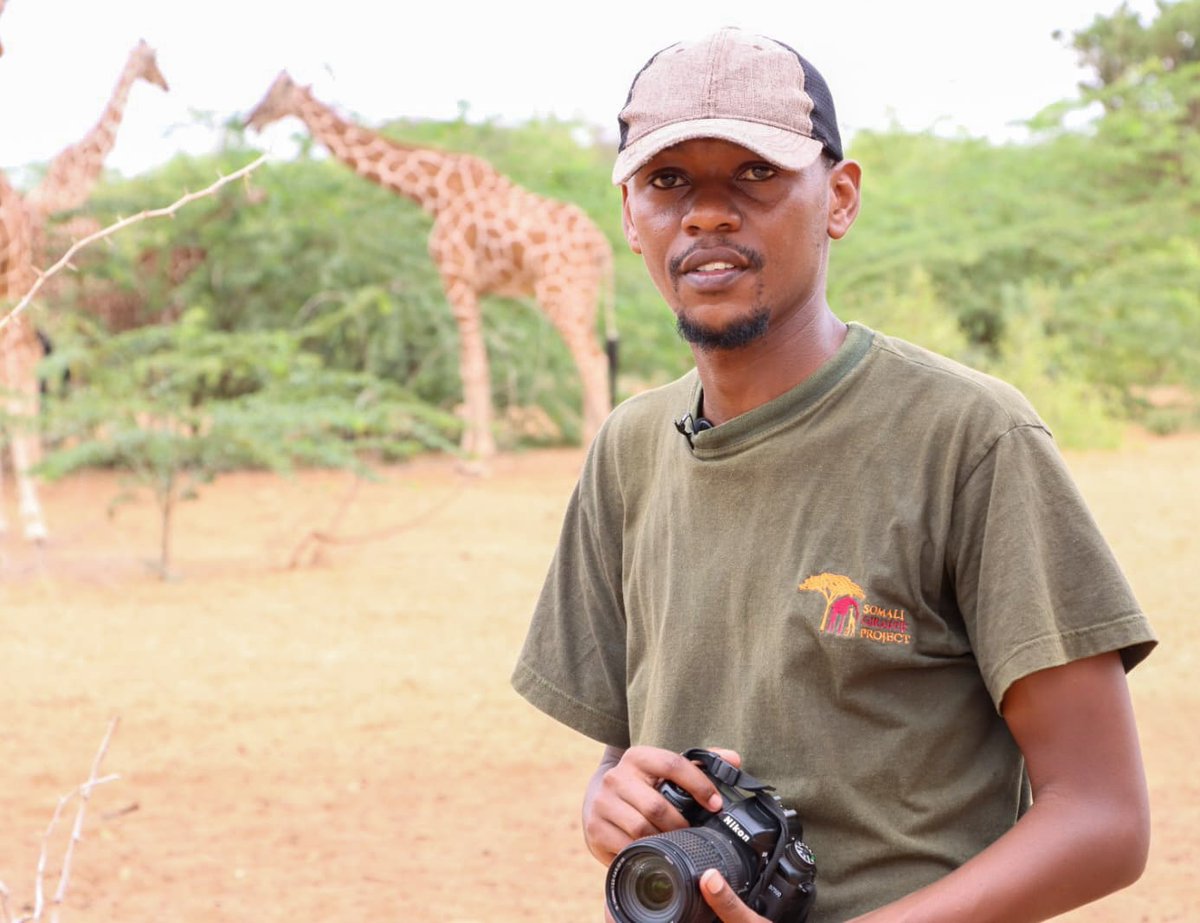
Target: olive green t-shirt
(840,585)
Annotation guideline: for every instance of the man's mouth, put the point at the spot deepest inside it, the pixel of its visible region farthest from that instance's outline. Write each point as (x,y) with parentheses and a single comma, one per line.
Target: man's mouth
(714,265)
(712,269)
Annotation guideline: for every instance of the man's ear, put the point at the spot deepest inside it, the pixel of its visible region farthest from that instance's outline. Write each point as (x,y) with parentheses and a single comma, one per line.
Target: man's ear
(631,235)
(845,186)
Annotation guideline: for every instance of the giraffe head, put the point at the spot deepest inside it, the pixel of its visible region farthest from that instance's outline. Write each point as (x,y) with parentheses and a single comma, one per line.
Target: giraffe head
(282,100)
(143,64)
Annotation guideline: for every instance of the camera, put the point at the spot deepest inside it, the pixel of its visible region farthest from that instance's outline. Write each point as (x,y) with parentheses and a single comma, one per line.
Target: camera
(753,841)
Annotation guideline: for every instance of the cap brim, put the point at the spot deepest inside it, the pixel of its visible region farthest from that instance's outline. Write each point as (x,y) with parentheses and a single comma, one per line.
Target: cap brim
(780,147)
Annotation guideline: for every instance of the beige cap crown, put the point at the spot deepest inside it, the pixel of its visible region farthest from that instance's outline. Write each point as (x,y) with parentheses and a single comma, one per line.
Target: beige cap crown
(733,85)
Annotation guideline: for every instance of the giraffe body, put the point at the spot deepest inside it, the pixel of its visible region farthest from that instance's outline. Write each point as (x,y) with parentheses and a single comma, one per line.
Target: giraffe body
(67,184)
(20,352)
(489,236)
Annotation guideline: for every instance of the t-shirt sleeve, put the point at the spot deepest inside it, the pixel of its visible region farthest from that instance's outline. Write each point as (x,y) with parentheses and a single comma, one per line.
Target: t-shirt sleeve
(1036,582)
(572,665)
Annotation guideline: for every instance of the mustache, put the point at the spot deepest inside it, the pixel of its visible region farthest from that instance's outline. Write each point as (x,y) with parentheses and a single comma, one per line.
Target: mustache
(752,257)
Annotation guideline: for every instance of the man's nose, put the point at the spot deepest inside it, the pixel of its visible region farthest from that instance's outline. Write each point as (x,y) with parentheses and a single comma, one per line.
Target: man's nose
(711,211)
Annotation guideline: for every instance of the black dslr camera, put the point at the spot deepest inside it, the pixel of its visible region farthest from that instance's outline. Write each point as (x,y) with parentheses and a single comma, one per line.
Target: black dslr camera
(753,841)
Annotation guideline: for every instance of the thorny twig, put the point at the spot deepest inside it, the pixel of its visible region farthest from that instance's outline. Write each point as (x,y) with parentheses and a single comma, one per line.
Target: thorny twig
(163,212)
(84,792)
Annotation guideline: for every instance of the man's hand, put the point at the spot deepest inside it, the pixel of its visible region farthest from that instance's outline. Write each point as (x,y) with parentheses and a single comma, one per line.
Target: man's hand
(725,904)
(622,803)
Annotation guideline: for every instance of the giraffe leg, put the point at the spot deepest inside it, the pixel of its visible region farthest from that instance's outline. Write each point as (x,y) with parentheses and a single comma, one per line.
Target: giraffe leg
(3,518)
(573,316)
(22,401)
(25,452)
(477,441)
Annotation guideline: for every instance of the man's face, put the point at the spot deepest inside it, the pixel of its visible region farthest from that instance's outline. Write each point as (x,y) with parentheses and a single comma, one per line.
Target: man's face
(736,246)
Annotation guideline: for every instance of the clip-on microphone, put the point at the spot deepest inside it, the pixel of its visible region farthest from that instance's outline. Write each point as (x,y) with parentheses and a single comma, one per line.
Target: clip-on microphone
(689,426)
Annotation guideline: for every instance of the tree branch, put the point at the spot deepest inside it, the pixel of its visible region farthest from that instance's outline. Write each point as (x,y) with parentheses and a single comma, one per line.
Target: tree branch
(84,792)
(164,212)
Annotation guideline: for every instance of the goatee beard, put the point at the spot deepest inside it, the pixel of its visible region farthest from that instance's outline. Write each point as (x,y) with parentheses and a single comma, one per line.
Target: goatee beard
(734,336)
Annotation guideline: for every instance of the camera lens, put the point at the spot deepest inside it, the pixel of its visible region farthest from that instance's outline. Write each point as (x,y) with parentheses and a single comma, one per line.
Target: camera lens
(653,884)
(649,887)
(657,879)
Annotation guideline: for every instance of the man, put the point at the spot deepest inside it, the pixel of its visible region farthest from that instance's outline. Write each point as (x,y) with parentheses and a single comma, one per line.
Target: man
(860,570)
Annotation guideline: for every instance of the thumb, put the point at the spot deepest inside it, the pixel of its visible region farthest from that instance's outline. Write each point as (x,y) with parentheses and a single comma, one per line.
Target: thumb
(724,903)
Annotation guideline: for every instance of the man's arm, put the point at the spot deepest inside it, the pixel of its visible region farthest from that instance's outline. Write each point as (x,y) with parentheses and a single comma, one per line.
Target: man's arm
(1087,833)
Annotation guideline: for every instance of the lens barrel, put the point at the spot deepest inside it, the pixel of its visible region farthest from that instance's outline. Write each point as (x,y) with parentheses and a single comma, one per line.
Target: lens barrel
(657,879)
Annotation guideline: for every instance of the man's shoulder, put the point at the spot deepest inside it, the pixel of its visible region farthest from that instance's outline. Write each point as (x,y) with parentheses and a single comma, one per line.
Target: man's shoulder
(907,371)
(636,433)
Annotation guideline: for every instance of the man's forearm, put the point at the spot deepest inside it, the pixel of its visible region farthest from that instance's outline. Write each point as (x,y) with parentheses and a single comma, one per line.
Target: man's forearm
(1059,856)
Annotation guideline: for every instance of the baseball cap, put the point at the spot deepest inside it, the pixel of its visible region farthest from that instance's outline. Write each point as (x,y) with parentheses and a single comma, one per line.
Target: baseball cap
(733,85)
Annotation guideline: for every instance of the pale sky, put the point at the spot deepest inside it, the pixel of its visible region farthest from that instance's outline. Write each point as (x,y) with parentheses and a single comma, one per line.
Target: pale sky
(950,65)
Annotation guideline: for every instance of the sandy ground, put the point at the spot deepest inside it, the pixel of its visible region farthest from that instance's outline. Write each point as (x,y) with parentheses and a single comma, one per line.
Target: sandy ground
(337,740)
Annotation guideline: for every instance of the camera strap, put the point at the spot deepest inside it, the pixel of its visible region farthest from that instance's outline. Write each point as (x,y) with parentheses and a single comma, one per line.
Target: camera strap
(736,778)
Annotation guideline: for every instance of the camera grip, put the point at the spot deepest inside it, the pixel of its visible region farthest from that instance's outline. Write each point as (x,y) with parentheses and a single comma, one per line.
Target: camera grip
(789,895)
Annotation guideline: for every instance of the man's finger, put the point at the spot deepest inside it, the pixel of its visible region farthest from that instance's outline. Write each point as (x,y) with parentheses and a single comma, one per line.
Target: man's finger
(725,904)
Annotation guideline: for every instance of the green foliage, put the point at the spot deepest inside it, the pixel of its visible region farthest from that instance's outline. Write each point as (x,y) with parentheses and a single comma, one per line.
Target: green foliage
(1117,46)
(1044,366)
(310,246)
(175,406)
(1068,265)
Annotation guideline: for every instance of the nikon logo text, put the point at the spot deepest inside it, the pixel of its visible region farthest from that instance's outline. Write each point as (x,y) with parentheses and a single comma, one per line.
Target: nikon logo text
(733,825)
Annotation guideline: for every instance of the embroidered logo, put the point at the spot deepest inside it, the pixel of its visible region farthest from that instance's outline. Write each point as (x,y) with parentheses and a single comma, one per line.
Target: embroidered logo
(849,615)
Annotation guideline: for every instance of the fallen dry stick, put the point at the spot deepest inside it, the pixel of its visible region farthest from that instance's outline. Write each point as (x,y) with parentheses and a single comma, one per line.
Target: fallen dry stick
(84,793)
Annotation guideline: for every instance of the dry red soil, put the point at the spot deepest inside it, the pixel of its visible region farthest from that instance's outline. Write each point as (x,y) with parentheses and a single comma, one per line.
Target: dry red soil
(338,741)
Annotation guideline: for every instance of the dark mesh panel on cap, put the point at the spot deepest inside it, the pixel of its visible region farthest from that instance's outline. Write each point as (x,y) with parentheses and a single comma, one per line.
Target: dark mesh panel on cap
(823,116)
(622,124)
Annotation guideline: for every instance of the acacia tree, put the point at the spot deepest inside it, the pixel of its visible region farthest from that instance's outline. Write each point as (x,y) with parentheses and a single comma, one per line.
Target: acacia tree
(835,587)
(175,406)
(1118,47)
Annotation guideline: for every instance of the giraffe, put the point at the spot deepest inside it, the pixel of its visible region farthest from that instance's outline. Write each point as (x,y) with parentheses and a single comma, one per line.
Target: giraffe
(20,352)
(67,184)
(490,236)
(74,171)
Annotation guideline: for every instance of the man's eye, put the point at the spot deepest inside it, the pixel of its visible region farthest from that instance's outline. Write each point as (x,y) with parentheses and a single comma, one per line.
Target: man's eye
(666,180)
(758,172)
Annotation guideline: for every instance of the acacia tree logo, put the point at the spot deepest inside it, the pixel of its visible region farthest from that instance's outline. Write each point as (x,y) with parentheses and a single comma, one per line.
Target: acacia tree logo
(842,599)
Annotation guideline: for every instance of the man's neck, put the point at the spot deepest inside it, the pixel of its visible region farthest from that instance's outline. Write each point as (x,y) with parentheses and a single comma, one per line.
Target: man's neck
(738,380)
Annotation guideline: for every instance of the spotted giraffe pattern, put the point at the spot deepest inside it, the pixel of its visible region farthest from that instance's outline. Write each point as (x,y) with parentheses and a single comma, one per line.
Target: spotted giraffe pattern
(68,183)
(74,171)
(490,236)
(20,352)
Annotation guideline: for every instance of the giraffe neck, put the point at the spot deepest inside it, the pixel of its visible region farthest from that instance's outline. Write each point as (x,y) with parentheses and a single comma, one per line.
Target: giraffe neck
(16,258)
(429,177)
(74,171)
